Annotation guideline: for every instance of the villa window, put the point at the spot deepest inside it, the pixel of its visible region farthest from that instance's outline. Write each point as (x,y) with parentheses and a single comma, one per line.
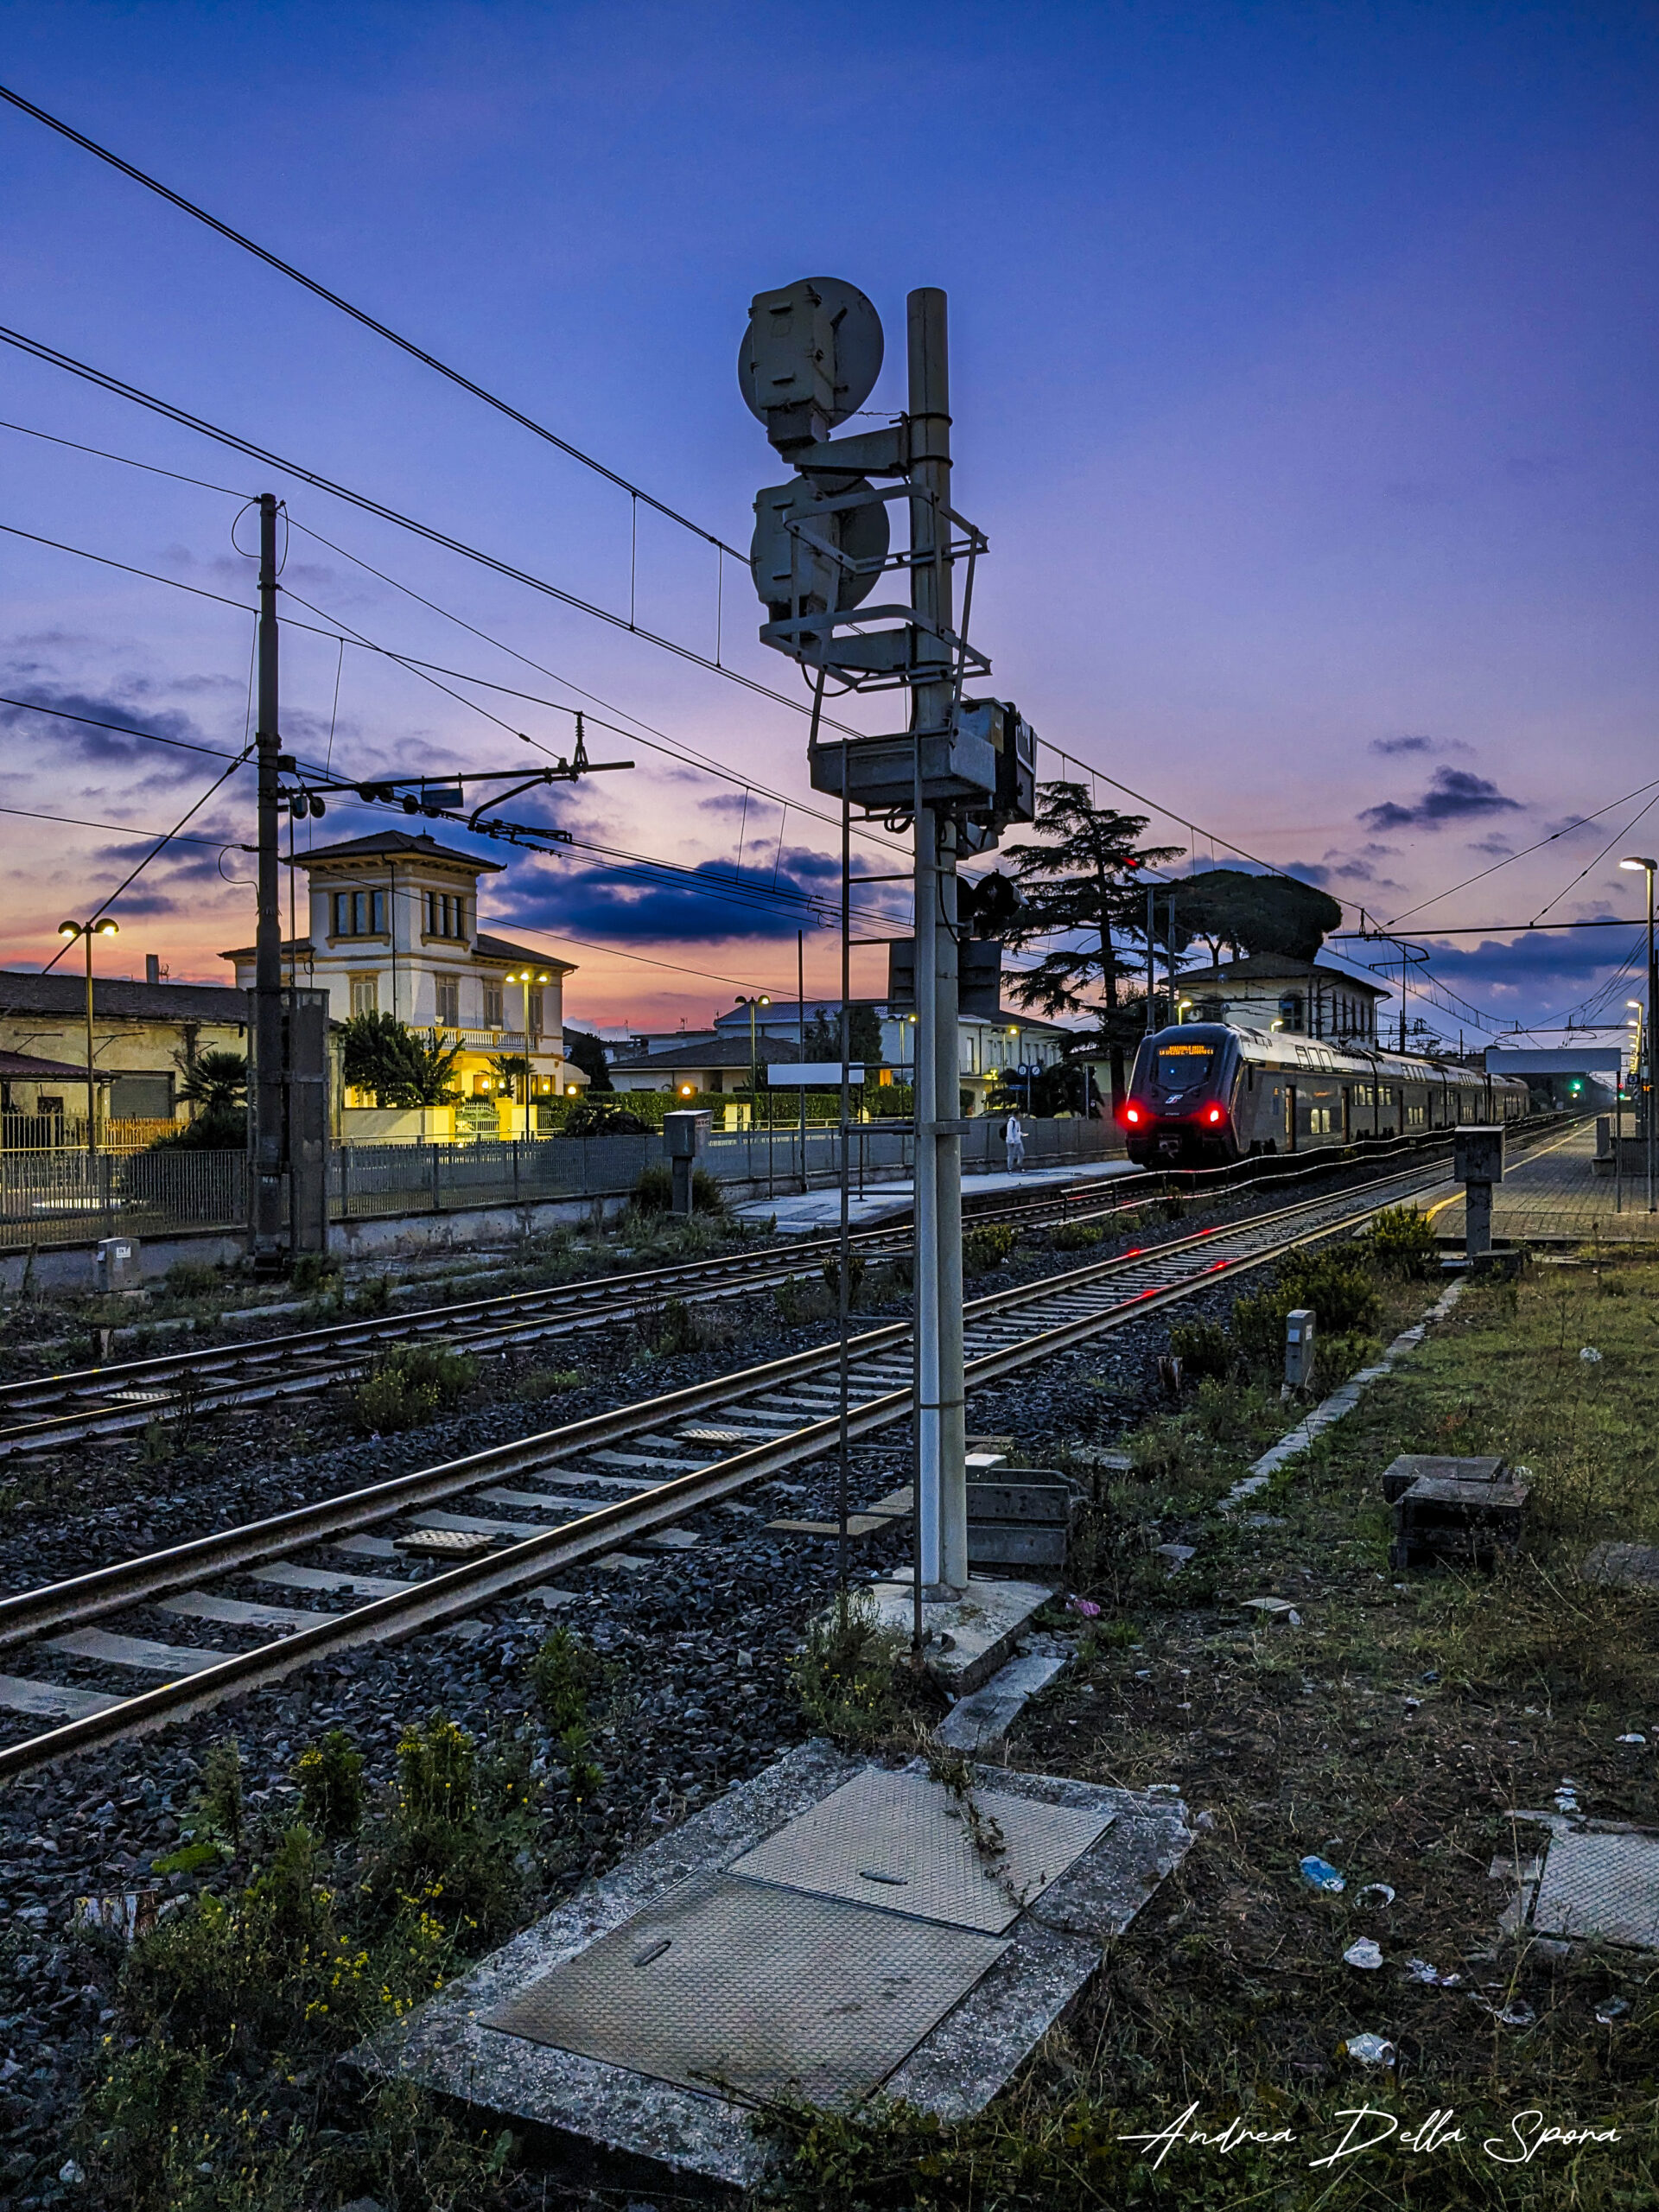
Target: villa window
(359,914)
(1290,1009)
(446,915)
(449,1001)
(534,1013)
(494,1011)
(366,994)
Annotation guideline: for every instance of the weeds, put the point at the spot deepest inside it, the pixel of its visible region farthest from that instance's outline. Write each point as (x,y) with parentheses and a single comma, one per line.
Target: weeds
(1074,1236)
(1204,1349)
(542,1382)
(653,1194)
(986,1248)
(1401,1241)
(831,1273)
(845,1672)
(411,1385)
(564,1675)
(317,1274)
(192,1279)
(330,1779)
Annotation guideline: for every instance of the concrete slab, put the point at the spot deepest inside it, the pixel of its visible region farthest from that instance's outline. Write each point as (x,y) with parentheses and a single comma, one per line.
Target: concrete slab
(1601,1888)
(967,1638)
(141,1653)
(1637,1565)
(979,1723)
(52,1701)
(603,2119)
(206,1605)
(284,1576)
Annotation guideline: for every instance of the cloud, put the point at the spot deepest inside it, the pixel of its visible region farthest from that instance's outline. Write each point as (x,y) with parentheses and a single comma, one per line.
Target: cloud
(1454,795)
(1495,846)
(631,907)
(49,740)
(1390,747)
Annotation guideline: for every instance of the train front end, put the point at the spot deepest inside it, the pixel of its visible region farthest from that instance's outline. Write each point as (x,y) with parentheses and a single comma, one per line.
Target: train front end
(1179,1108)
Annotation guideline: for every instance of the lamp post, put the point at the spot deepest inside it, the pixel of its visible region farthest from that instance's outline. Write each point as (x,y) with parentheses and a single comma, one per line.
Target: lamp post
(760,999)
(530,977)
(105,926)
(1635,860)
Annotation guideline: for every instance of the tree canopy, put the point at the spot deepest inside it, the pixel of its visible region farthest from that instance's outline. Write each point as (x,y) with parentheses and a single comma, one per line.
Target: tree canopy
(1254,914)
(400,1066)
(864,1043)
(587,1053)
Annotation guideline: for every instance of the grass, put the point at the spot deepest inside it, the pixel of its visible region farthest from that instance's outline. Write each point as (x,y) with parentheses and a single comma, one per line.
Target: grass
(1395,1730)
(412,1385)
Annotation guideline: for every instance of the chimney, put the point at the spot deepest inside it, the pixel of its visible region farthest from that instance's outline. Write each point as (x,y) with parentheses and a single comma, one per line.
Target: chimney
(152,967)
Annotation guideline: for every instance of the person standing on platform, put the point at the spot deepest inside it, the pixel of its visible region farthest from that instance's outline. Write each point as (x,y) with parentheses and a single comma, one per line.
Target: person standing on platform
(1014,1137)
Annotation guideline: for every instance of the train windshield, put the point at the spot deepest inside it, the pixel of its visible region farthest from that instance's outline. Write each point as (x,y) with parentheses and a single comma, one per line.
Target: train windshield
(1178,1067)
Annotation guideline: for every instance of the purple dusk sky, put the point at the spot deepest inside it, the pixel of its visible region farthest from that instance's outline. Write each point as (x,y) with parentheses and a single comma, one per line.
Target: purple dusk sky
(1303,365)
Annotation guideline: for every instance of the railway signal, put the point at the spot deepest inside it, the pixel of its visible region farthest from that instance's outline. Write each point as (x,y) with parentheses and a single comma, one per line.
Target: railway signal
(960,773)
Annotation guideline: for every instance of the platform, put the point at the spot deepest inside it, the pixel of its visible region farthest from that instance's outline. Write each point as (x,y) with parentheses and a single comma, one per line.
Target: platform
(1555,1197)
(830,1930)
(813,1211)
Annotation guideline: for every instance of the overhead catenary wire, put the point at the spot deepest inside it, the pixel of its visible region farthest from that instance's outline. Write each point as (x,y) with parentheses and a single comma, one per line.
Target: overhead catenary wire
(360,315)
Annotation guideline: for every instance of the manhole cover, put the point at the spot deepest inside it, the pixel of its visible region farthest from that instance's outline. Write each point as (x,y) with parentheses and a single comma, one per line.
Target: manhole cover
(445,1543)
(738,1983)
(1601,1888)
(902,1842)
(721,1435)
(140,1397)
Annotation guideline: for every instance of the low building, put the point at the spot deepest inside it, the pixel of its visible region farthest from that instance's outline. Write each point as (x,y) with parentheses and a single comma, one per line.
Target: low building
(986,1050)
(1311,998)
(394,930)
(706,1065)
(145,1038)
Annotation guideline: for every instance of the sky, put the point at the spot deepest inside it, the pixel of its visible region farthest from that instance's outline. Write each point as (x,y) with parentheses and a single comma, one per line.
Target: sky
(1302,365)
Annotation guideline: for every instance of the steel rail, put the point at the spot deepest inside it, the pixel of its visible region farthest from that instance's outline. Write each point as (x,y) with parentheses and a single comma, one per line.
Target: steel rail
(443,1598)
(41,1418)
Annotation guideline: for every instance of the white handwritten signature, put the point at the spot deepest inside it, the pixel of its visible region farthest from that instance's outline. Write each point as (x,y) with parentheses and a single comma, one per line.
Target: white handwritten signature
(1370,2127)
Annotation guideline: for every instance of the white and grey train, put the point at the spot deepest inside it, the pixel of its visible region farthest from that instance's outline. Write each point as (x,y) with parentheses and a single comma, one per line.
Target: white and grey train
(1206,1092)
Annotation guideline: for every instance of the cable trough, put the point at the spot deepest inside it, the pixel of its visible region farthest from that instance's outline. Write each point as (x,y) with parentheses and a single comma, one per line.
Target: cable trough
(776,1415)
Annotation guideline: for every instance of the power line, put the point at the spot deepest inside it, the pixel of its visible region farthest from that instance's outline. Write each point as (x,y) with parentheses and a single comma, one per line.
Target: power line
(155,737)
(368,321)
(361,499)
(1565,830)
(123,460)
(122,829)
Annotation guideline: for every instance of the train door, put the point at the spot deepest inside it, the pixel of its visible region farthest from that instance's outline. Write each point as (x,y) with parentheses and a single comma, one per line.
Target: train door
(1347,1113)
(1290,1117)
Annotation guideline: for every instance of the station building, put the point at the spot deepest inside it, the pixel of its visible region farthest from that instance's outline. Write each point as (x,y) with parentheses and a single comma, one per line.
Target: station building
(1311,998)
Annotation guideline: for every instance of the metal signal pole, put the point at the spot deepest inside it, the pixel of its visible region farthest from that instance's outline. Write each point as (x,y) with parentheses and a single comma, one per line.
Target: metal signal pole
(941,1398)
(266,1242)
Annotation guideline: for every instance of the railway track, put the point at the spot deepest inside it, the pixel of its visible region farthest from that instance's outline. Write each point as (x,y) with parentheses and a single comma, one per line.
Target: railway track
(44,1411)
(628,1476)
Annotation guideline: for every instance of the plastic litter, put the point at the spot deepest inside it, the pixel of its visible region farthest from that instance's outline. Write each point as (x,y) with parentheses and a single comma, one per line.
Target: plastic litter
(1365,1953)
(1320,1874)
(1431,1976)
(1086,1606)
(1508,2015)
(1590,1355)
(1368,2050)
(1269,1605)
(1614,2009)
(1378,1892)
(1630,1739)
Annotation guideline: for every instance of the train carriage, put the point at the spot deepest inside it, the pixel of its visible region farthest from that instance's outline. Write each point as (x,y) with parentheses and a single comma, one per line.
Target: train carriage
(1204,1093)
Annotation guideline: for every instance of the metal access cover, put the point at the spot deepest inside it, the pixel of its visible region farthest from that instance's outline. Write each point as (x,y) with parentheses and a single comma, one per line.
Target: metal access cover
(445,1543)
(1601,1888)
(901,1841)
(760,1989)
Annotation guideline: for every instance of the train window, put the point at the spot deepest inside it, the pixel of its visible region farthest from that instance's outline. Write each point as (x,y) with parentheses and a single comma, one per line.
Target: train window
(1177,1067)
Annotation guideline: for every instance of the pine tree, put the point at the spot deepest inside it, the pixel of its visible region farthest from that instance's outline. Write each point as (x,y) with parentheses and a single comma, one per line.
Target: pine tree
(1083,883)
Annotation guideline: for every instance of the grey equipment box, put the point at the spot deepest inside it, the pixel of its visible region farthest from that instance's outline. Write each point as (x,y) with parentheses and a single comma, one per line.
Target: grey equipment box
(1021,1517)
(118,1264)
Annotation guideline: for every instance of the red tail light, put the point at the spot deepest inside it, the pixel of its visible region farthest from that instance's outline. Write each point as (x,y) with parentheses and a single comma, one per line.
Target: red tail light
(1214,1115)
(1132,1113)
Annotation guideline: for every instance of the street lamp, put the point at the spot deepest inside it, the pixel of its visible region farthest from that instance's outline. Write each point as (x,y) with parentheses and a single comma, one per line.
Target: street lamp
(1648,867)
(105,927)
(529,977)
(760,999)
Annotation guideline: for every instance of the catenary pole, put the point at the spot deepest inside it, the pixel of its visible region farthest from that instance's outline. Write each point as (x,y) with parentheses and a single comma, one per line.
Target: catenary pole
(265,1238)
(941,1408)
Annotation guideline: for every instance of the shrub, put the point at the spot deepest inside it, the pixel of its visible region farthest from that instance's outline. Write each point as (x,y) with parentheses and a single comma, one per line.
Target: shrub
(986,1248)
(411,1385)
(1401,1241)
(654,1192)
(854,1278)
(1339,1287)
(1074,1236)
(330,1779)
(316,1272)
(843,1673)
(547,1383)
(1204,1349)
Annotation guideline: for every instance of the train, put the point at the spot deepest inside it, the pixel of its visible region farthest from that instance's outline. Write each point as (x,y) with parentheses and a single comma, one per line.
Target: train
(1205,1093)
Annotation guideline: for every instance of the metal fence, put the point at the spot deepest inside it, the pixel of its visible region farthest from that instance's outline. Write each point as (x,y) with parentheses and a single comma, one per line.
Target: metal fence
(65,1198)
